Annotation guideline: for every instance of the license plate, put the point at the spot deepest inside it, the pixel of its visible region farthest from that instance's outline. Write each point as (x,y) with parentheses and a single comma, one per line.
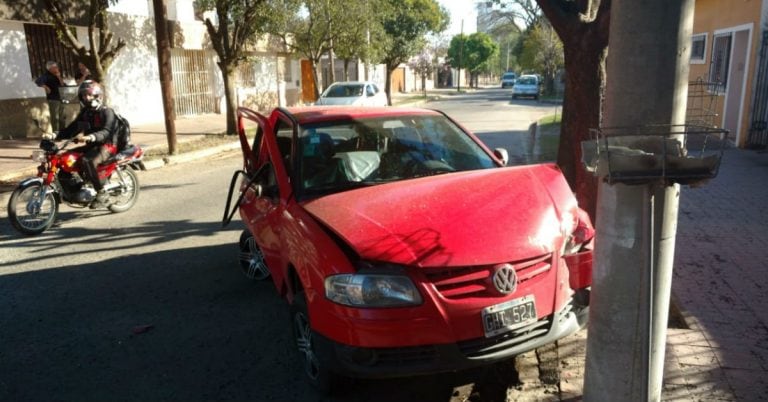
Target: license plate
(509,315)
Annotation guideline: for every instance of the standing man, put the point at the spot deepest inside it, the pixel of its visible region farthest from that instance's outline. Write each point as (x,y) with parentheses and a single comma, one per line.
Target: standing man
(50,81)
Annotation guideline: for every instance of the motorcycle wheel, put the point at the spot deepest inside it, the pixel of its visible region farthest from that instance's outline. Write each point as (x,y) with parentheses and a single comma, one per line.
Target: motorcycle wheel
(28,214)
(123,198)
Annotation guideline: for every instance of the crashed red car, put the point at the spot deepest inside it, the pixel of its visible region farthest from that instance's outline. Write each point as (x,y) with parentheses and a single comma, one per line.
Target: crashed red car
(403,245)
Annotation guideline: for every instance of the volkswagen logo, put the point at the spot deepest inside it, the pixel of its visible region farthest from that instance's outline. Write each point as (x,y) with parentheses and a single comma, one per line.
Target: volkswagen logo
(505,278)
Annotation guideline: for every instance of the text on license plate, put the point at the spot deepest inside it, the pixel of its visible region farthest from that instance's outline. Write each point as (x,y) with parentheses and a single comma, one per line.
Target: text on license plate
(509,315)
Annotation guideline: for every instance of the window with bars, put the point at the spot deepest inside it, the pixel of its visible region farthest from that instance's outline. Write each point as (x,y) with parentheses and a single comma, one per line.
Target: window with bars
(44,46)
(698,48)
(721,57)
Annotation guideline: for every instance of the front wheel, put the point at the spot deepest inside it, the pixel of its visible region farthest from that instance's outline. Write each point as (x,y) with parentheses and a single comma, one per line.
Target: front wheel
(30,211)
(124,196)
(315,369)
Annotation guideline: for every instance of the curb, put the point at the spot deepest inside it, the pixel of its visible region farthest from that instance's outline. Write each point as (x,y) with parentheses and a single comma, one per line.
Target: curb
(169,160)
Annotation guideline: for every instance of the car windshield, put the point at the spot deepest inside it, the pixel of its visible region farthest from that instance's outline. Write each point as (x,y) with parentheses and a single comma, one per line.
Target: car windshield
(526,81)
(344,91)
(508,77)
(342,155)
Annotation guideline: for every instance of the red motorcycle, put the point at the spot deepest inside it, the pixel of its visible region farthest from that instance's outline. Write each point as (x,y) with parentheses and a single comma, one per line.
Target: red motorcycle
(34,204)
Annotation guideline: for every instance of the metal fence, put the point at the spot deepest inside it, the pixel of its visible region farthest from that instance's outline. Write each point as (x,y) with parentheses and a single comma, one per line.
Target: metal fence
(193,82)
(758,128)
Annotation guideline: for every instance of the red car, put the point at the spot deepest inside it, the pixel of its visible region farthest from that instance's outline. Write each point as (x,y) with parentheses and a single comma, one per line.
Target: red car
(403,245)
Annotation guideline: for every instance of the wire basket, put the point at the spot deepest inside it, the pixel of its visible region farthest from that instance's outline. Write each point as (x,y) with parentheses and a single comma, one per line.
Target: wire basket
(685,154)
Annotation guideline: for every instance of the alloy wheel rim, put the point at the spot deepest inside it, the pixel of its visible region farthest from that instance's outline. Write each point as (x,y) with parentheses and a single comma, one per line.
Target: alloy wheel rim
(252,261)
(304,343)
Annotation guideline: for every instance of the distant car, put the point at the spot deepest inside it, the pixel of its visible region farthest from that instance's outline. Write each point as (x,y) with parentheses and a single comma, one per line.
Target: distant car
(526,85)
(508,80)
(405,246)
(353,93)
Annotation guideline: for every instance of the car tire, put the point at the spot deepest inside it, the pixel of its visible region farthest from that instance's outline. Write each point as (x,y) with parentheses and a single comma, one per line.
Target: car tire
(315,369)
(252,262)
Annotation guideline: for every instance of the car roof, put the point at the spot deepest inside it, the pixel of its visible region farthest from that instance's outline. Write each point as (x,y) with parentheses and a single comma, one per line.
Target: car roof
(351,83)
(317,114)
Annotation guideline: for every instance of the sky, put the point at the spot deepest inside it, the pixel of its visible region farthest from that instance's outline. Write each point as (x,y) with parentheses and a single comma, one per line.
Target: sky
(460,9)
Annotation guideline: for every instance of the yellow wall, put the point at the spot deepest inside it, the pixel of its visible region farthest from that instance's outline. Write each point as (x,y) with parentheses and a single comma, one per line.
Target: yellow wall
(713,15)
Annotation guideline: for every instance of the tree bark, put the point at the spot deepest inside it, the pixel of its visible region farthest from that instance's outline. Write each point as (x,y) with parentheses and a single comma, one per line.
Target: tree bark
(388,85)
(316,77)
(228,75)
(583,28)
(584,84)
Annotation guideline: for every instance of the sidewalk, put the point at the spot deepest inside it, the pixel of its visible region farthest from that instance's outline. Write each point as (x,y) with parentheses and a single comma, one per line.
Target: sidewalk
(15,163)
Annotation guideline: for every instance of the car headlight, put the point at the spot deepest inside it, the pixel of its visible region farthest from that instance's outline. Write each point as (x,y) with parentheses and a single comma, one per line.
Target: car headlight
(372,290)
(581,233)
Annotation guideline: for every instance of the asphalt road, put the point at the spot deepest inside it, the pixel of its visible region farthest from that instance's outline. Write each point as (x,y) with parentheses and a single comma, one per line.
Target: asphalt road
(150,304)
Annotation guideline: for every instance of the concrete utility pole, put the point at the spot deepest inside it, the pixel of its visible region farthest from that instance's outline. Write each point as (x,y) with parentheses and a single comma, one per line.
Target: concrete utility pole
(461,50)
(647,77)
(164,65)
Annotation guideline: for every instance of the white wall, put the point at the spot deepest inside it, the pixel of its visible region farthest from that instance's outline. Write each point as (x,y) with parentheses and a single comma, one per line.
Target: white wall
(133,77)
(17,80)
(133,7)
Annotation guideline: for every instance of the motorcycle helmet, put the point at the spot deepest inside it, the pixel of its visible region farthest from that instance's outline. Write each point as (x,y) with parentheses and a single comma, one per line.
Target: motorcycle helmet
(89,93)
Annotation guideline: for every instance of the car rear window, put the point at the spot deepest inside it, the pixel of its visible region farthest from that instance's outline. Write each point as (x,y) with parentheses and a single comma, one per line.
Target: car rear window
(527,81)
(344,91)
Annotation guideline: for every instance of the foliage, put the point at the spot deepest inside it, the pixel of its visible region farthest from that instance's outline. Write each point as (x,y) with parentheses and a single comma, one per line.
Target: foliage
(405,23)
(353,29)
(238,24)
(471,52)
(514,14)
(542,51)
(101,52)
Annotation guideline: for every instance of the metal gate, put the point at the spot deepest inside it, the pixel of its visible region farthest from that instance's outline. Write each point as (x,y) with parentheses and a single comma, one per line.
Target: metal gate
(758,129)
(193,82)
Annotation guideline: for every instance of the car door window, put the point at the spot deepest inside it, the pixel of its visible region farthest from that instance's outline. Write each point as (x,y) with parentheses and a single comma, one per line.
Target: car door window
(370,91)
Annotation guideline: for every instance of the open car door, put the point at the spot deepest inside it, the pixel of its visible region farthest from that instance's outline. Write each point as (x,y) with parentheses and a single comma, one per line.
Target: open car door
(253,124)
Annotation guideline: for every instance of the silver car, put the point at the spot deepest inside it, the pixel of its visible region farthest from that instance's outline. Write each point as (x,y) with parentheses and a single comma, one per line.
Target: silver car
(526,85)
(353,93)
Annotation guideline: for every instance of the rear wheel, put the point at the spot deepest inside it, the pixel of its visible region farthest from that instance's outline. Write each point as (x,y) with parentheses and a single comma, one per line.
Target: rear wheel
(252,258)
(29,213)
(315,368)
(124,196)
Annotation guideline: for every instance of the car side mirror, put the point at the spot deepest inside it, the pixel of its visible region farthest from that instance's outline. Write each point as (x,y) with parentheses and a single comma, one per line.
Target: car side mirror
(502,155)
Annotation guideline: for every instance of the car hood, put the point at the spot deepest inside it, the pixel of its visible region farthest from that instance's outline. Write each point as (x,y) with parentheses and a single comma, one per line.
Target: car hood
(457,219)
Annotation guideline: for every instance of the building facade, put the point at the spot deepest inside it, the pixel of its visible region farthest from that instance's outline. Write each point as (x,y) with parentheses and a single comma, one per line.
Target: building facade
(270,77)
(725,65)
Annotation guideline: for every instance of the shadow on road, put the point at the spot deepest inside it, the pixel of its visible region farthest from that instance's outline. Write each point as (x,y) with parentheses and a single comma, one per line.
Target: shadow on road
(179,324)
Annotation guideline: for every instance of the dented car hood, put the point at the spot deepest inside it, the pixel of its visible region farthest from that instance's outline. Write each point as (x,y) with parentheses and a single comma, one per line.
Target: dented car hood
(457,219)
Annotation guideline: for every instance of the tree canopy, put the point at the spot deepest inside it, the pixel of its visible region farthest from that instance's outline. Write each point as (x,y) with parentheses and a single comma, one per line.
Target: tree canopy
(238,24)
(471,52)
(405,24)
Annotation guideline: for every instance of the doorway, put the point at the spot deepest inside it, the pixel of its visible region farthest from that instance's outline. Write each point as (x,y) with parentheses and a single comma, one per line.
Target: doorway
(737,41)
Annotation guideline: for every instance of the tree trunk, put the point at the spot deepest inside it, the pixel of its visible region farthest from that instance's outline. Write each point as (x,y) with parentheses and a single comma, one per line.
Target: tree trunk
(315,77)
(228,74)
(331,66)
(584,83)
(388,85)
(346,69)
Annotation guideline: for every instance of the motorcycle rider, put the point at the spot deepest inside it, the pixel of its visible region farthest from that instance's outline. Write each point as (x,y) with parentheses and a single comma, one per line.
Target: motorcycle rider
(95,125)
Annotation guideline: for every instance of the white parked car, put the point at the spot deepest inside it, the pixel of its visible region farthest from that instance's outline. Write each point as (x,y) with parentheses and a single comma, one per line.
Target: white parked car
(508,80)
(526,85)
(353,93)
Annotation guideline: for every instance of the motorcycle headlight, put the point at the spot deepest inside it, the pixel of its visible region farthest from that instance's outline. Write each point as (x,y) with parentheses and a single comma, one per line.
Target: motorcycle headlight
(372,290)
(38,156)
